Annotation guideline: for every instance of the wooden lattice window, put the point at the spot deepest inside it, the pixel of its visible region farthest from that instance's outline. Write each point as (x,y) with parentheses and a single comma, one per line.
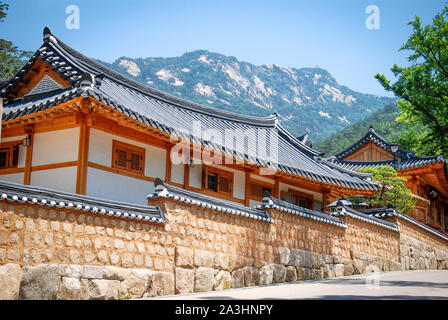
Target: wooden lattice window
(128,157)
(298,198)
(257,189)
(217,180)
(9,154)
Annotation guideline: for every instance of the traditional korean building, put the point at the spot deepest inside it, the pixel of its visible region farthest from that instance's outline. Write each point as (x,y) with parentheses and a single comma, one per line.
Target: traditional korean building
(426,176)
(73,125)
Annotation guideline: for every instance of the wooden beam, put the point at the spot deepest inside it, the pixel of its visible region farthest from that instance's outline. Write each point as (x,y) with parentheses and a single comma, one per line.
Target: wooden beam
(168,165)
(83,156)
(55,165)
(247,188)
(118,171)
(276,191)
(29,156)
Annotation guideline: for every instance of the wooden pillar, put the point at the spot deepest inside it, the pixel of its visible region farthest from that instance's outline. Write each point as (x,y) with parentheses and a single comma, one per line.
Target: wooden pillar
(276,190)
(83,150)
(247,188)
(324,202)
(168,165)
(29,155)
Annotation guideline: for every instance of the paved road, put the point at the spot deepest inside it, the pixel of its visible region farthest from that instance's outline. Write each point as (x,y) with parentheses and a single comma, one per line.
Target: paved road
(388,285)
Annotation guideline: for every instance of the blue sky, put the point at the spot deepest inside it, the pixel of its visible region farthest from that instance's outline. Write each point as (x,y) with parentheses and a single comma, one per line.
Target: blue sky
(328,34)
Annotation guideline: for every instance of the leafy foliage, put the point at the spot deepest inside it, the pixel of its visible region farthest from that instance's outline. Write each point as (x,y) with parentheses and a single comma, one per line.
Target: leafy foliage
(11,57)
(383,121)
(423,86)
(392,190)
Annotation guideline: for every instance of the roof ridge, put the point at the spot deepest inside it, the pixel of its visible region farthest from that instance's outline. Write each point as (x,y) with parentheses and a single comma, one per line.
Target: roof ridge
(133,84)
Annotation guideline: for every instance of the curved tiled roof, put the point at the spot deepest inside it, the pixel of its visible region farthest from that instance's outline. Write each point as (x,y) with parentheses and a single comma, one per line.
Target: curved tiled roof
(176,116)
(164,190)
(405,159)
(382,213)
(277,204)
(410,162)
(347,211)
(20,193)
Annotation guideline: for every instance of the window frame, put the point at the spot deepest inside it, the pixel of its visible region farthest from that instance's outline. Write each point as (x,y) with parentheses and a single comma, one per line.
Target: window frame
(11,145)
(263,184)
(220,173)
(301,195)
(129,148)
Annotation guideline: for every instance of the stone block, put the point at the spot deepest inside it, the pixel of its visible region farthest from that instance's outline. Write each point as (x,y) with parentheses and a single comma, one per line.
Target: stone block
(136,282)
(39,282)
(328,271)
(93,272)
(10,278)
(339,270)
(222,261)
(316,260)
(316,274)
(279,273)
(115,273)
(300,258)
(204,279)
(204,258)
(337,259)
(266,275)
(328,259)
(184,281)
(251,276)
(291,274)
(358,266)
(348,268)
(300,273)
(259,263)
(184,257)
(162,284)
(101,289)
(73,289)
(70,270)
(284,256)
(238,278)
(223,280)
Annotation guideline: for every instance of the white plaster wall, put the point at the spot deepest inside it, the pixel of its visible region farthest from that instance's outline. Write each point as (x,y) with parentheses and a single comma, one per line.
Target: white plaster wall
(100,151)
(22,157)
(107,185)
(285,187)
(196,176)
(60,179)
(13,177)
(177,173)
(55,146)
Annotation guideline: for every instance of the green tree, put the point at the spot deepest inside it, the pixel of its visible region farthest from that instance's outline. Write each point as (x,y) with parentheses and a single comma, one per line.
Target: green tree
(11,57)
(392,190)
(423,86)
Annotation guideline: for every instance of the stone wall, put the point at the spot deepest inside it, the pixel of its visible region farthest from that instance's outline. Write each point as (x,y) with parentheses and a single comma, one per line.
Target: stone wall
(93,256)
(421,249)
